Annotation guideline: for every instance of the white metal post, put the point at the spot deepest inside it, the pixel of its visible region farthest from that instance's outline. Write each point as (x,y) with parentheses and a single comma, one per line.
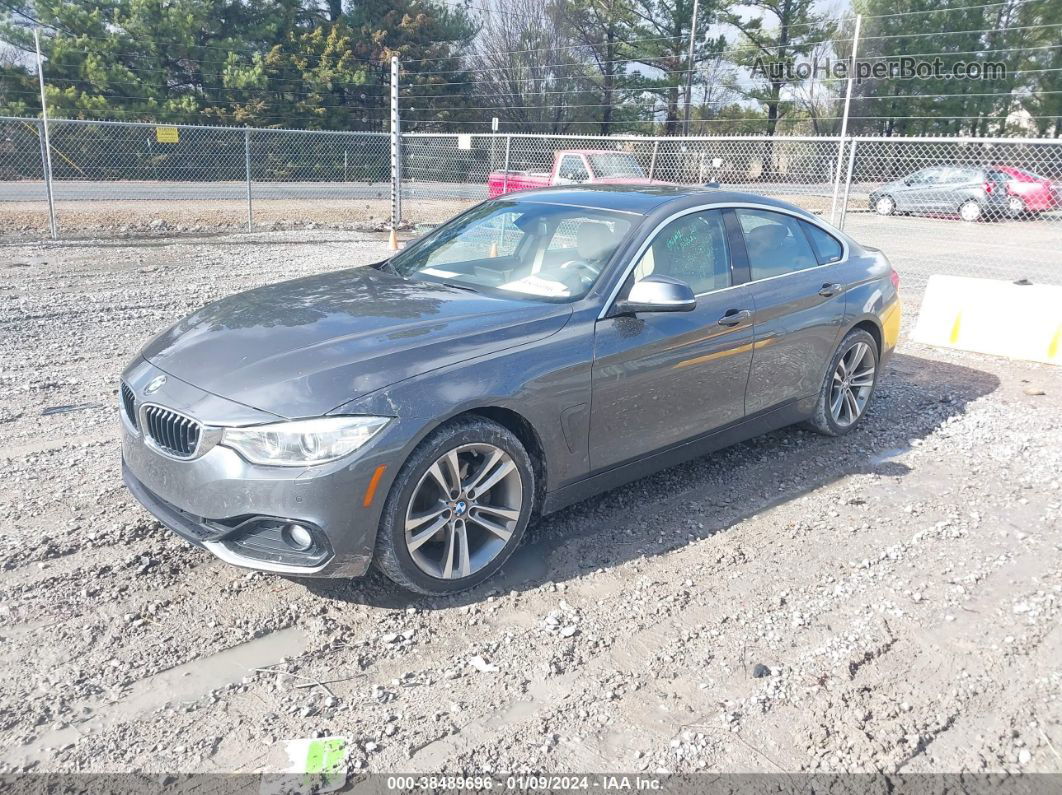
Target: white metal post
(47,159)
(247,169)
(844,118)
(848,183)
(396,150)
(505,168)
(652,160)
(689,70)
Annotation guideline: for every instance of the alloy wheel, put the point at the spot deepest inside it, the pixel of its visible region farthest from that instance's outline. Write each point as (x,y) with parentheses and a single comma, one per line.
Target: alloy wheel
(884,206)
(463,511)
(853,381)
(1015,205)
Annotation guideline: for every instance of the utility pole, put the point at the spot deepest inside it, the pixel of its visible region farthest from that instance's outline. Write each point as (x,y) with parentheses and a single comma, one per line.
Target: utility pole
(396,154)
(689,69)
(844,118)
(47,141)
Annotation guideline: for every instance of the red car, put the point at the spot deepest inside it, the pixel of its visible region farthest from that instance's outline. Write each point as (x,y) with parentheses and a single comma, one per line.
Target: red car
(1030,193)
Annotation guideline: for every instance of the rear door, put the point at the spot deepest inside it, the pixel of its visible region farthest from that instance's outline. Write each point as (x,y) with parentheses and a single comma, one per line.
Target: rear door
(798,298)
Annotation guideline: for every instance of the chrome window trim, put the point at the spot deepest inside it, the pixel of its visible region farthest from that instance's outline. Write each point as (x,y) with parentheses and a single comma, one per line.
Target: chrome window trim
(630,266)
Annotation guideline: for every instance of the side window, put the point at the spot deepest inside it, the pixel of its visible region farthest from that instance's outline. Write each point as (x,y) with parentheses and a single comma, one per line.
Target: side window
(827,247)
(692,248)
(573,168)
(775,243)
(926,176)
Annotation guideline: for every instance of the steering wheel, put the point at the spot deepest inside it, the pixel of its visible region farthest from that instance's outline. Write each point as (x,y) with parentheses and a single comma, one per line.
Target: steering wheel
(578,264)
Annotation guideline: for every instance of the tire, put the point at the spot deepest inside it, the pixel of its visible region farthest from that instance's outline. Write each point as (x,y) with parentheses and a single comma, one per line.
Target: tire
(825,419)
(970,210)
(1016,206)
(884,205)
(420,565)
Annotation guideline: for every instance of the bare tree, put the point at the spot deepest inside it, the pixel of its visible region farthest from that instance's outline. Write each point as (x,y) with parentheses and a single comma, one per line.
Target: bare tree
(530,69)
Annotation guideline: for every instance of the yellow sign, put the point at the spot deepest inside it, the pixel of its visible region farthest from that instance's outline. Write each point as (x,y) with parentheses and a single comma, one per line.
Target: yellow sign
(167,135)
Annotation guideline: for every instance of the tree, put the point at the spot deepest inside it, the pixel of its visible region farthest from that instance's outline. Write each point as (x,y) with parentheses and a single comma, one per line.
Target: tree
(529,69)
(664,30)
(770,41)
(604,28)
(257,62)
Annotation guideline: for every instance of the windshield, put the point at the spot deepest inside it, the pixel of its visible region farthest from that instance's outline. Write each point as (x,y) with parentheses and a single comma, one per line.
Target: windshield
(616,164)
(544,251)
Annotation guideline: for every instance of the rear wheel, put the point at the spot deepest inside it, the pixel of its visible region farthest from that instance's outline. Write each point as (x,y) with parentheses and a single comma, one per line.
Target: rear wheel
(457,510)
(849,385)
(970,210)
(1016,205)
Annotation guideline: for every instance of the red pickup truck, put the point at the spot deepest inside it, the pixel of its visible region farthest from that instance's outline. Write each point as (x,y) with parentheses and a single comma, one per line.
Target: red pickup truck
(573,167)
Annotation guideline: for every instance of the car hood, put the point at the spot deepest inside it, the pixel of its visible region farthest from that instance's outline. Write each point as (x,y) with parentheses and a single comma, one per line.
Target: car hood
(630,181)
(304,347)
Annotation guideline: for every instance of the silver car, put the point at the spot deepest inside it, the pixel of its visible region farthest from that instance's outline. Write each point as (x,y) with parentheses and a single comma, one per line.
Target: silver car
(974,193)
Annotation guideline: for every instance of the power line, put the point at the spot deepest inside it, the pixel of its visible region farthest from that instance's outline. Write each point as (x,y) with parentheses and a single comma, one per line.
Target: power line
(945,10)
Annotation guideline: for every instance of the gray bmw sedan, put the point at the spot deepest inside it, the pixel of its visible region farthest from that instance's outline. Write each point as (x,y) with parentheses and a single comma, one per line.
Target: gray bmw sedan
(416,414)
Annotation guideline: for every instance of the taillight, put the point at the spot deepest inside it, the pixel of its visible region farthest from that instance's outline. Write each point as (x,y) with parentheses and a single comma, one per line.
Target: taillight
(988,186)
(895,277)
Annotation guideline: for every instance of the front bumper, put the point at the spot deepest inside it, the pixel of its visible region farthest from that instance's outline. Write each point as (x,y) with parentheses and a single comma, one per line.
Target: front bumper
(237,510)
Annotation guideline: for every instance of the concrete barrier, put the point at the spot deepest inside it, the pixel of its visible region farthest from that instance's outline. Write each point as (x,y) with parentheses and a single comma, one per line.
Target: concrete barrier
(990,316)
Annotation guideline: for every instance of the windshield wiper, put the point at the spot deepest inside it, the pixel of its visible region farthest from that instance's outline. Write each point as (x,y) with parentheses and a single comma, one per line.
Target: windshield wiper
(460,287)
(385,265)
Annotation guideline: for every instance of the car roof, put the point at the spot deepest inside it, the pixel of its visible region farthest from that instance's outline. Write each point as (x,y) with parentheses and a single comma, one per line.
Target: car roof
(642,199)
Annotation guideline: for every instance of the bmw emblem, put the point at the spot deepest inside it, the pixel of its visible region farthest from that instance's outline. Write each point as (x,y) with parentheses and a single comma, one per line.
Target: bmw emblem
(155,384)
(459,508)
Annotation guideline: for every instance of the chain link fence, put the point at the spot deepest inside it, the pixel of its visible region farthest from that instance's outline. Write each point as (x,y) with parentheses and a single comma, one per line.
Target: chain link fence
(980,207)
(116,177)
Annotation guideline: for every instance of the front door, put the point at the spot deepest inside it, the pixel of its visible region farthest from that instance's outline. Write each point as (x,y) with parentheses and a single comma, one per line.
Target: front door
(660,378)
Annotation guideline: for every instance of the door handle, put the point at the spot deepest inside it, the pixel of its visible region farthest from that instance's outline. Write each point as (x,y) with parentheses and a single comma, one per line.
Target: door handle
(831,289)
(734,316)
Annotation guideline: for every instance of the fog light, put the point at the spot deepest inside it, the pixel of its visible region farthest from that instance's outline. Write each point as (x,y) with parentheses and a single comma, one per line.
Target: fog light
(297,537)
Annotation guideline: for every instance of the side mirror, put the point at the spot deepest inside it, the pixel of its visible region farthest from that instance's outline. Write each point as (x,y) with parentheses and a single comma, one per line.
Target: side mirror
(657,293)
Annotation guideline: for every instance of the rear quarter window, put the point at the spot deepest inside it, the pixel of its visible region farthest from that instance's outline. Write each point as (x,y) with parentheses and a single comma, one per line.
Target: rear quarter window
(827,248)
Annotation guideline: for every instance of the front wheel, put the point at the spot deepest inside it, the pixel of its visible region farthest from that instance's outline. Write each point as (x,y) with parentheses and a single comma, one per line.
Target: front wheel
(884,205)
(457,509)
(849,385)
(970,210)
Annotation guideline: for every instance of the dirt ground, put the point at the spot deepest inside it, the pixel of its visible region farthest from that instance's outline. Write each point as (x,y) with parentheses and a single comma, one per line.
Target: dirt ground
(885,601)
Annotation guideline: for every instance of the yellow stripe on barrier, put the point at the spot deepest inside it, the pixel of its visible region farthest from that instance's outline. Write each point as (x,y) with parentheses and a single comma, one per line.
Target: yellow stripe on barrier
(990,316)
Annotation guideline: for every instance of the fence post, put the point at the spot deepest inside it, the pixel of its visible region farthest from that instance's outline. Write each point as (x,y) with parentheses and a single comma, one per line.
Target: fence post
(652,160)
(847,183)
(505,168)
(247,169)
(396,150)
(844,118)
(46,143)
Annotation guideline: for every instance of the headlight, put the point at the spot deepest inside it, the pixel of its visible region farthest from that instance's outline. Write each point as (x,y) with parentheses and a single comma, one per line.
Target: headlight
(303,442)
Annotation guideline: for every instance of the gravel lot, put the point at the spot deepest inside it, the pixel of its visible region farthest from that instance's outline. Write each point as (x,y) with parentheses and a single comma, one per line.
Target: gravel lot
(886,601)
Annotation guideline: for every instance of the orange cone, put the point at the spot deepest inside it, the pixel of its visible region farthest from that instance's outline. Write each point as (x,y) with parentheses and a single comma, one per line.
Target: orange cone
(392,241)
(493,250)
